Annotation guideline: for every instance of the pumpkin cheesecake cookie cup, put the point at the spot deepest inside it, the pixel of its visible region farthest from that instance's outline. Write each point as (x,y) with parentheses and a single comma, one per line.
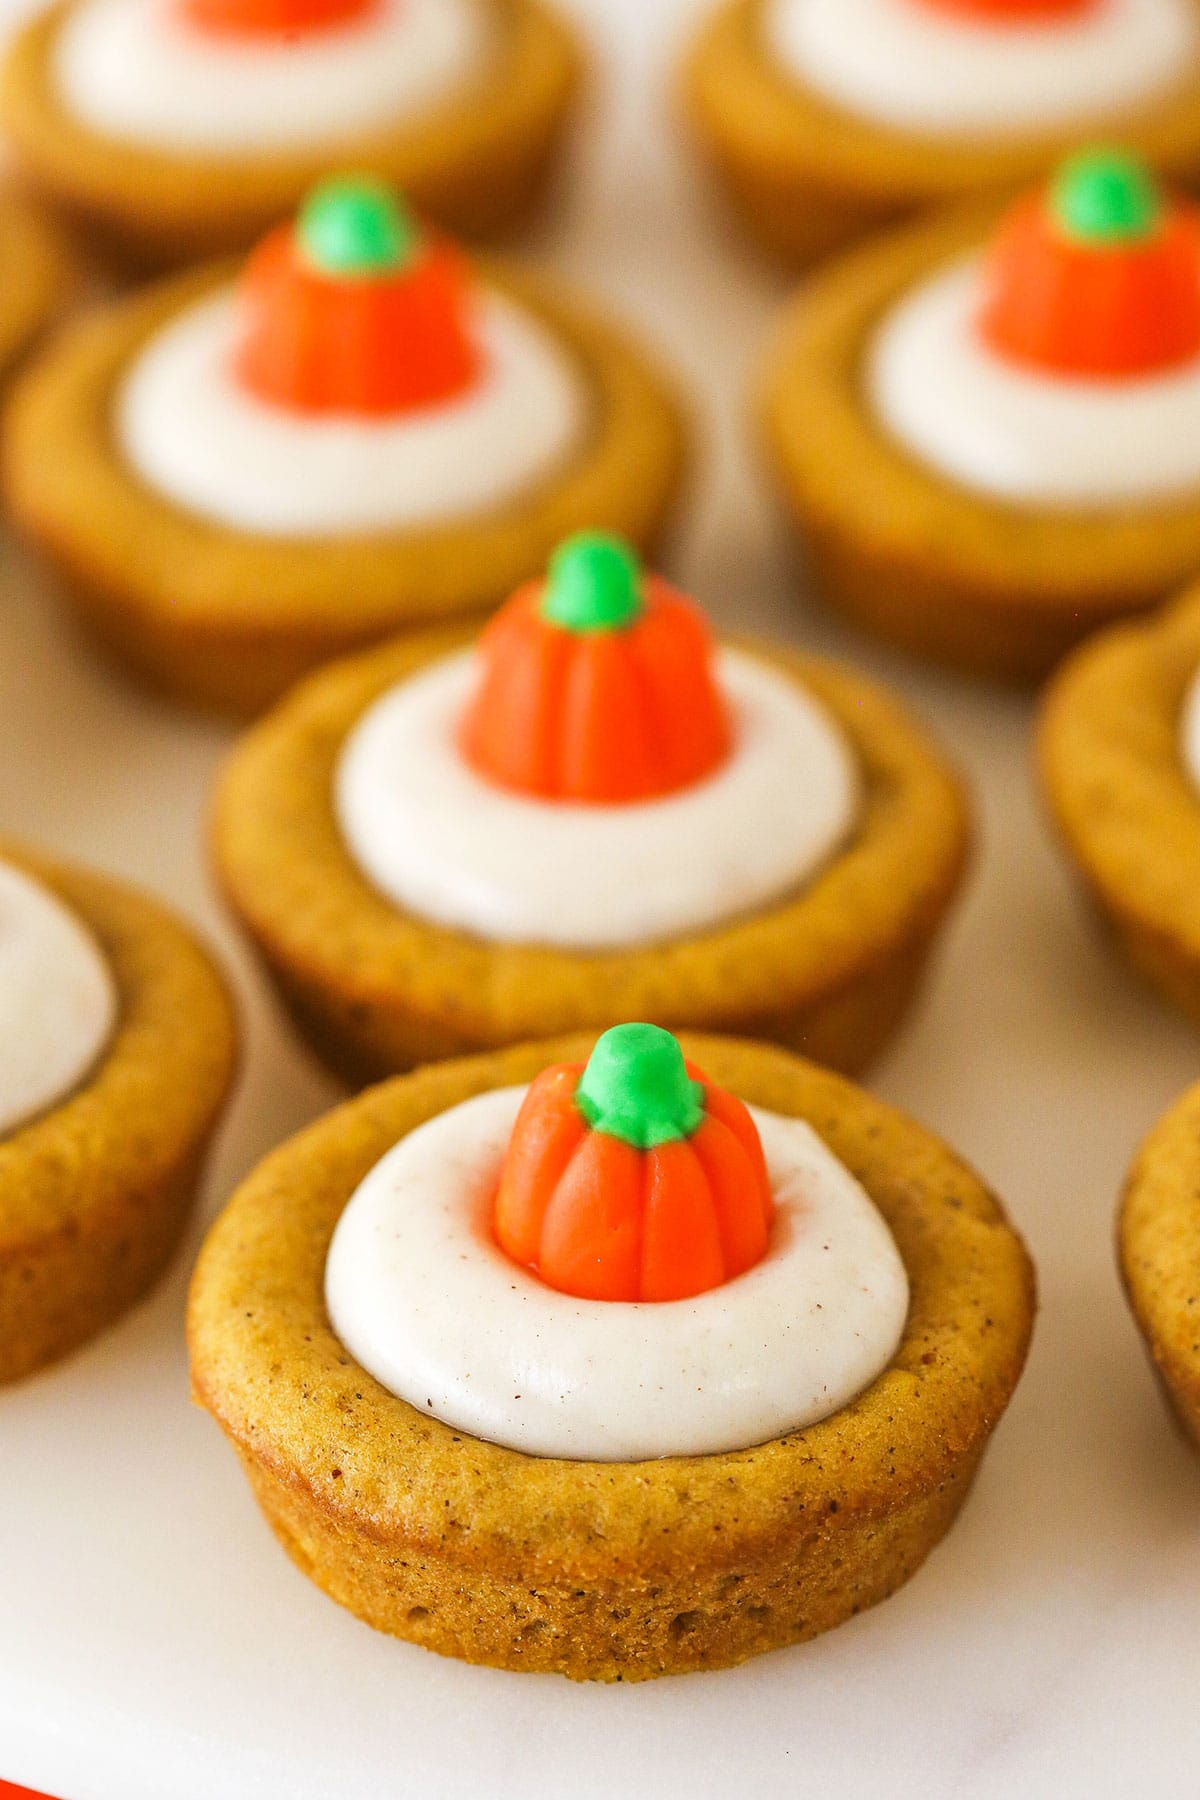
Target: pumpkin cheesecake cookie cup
(119,1054)
(825,120)
(593,813)
(239,477)
(1119,750)
(987,427)
(172,130)
(613,1359)
(1158,1242)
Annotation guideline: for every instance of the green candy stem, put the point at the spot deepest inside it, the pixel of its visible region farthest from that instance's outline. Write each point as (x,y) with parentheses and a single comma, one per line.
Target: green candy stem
(1105,197)
(636,1087)
(353,226)
(594,583)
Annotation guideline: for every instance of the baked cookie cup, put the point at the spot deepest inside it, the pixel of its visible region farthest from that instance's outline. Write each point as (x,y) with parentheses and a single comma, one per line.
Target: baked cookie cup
(989,585)
(830,967)
(1158,1243)
(95,1190)
(41,276)
(228,618)
(475,158)
(606,1570)
(805,177)
(1112,761)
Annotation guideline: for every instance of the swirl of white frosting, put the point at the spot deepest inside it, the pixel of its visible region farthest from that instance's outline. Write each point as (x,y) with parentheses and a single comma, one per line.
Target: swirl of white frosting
(1021,435)
(421,1295)
(1189,731)
(136,72)
(194,434)
(902,64)
(442,842)
(58,1000)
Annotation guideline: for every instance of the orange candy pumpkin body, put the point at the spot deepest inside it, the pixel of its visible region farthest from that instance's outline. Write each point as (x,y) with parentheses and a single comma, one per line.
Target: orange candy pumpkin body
(594,1216)
(1012,12)
(273,18)
(1078,309)
(601,716)
(371,346)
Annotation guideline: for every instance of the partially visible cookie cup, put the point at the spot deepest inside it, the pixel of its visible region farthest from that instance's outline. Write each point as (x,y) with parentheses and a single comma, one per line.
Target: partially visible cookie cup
(606,1570)
(829,969)
(1111,758)
(1158,1241)
(987,585)
(476,160)
(95,1192)
(804,177)
(41,276)
(227,619)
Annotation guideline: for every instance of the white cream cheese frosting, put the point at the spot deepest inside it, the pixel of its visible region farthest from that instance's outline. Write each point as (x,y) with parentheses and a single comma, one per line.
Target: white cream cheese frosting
(1189,731)
(196,435)
(1020,435)
(440,841)
(902,64)
(58,1000)
(136,72)
(421,1295)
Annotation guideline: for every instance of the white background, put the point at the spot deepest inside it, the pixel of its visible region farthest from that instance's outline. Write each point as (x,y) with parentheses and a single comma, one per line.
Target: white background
(155,1644)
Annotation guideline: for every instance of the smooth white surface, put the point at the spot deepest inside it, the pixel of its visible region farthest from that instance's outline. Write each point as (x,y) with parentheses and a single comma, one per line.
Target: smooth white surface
(900,63)
(57,999)
(260,468)
(133,70)
(155,1643)
(420,1293)
(991,425)
(444,843)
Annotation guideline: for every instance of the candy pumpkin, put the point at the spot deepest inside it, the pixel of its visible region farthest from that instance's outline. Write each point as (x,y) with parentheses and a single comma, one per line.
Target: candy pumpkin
(1096,278)
(353,310)
(633,1178)
(597,685)
(1013,12)
(273,18)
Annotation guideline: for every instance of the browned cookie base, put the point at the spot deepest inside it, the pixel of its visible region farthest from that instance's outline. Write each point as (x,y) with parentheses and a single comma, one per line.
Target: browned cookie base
(606,1571)
(805,178)
(989,586)
(40,277)
(227,619)
(476,161)
(829,969)
(94,1194)
(1158,1240)
(1112,769)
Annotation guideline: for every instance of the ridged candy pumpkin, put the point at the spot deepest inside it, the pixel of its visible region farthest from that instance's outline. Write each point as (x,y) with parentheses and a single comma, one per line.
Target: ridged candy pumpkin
(1013,12)
(633,1178)
(273,18)
(1096,278)
(353,310)
(597,685)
